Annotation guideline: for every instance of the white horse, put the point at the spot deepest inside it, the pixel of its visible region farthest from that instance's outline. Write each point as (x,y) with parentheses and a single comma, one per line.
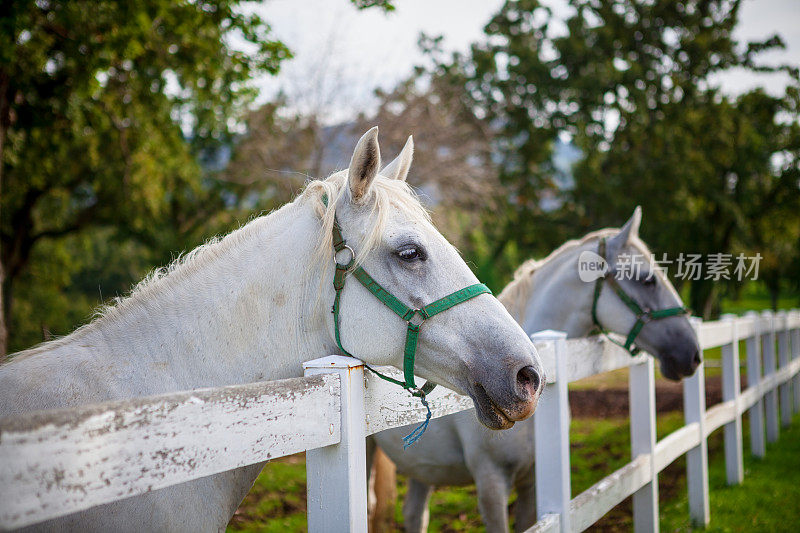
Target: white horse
(547,294)
(256,304)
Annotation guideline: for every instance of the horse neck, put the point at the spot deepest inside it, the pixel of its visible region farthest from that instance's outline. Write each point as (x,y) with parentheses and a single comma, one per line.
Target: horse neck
(558,299)
(246,314)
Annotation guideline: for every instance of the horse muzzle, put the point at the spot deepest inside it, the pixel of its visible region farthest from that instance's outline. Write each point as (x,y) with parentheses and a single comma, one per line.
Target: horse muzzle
(500,404)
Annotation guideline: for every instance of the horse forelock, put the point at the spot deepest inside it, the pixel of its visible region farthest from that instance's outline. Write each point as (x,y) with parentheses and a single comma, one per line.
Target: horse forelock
(383,195)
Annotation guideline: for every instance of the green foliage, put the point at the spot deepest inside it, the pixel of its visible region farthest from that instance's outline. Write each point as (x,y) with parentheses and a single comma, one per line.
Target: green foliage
(70,277)
(96,99)
(386,5)
(110,114)
(631,84)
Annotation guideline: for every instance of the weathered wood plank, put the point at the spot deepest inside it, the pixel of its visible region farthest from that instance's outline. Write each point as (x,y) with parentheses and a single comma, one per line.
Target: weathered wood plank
(713,334)
(793,319)
(752,396)
(57,462)
(785,394)
(591,504)
(694,410)
(676,444)
(551,436)
(550,523)
(795,347)
(719,415)
(642,401)
(731,388)
(769,323)
(336,475)
(388,406)
(749,397)
(586,357)
(746,326)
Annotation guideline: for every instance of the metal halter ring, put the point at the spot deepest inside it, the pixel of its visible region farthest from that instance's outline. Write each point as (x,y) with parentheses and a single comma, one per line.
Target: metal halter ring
(417,318)
(352,256)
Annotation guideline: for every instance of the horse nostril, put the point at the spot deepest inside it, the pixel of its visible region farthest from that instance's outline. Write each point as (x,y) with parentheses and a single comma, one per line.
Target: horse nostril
(528,380)
(696,360)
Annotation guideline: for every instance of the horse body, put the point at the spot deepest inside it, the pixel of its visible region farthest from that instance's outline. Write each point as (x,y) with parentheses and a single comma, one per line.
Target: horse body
(254,306)
(544,295)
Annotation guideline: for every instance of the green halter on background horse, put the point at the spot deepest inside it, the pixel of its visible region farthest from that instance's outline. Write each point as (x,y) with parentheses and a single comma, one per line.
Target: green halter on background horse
(642,316)
(413,317)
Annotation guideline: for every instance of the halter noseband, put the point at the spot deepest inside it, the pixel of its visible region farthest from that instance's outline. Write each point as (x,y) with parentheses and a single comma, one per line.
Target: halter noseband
(642,316)
(413,317)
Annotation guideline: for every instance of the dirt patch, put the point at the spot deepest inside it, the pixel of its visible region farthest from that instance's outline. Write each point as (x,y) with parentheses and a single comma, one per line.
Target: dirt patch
(613,401)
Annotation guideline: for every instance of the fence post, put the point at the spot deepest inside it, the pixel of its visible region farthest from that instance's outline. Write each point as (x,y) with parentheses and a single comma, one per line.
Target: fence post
(781,323)
(336,475)
(795,338)
(731,388)
(768,356)
(551,425)
(642,401)
(694,411)
(758,445)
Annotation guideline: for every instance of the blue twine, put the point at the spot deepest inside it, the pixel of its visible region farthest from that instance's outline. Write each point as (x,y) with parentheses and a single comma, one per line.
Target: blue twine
(414,436)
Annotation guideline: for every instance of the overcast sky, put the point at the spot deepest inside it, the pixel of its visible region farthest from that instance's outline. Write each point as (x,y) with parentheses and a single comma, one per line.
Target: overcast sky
(342,54)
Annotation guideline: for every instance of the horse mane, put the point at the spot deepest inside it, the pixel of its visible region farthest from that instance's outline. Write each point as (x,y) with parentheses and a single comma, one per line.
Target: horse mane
(384,194)
(516,294)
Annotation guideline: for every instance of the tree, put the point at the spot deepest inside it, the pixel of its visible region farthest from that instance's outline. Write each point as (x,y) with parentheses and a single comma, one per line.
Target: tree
(453,165)
(106,111)
(631,84)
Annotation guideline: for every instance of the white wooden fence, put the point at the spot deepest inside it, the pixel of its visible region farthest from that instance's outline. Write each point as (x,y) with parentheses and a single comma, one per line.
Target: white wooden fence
(771,397)
(53,463)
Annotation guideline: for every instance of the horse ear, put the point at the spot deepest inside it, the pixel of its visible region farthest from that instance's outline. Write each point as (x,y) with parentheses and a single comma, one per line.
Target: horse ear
(631,227)
(398,169)
(364,164)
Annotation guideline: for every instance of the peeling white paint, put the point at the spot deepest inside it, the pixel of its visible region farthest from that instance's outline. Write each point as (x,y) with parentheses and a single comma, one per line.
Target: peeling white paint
(57,462)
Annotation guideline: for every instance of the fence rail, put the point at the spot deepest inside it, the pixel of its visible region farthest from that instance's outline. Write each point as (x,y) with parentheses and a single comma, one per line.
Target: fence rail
(772,396)
(58,462)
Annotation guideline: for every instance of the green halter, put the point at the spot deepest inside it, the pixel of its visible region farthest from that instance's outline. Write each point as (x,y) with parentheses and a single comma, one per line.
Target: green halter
(642,316)
(413,317)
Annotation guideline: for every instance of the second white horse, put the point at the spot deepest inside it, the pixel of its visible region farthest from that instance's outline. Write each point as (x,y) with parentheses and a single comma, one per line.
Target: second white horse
(547,294)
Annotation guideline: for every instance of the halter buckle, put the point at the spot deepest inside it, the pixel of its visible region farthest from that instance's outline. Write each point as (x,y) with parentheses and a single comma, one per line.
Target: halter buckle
(417,318)
(344,266)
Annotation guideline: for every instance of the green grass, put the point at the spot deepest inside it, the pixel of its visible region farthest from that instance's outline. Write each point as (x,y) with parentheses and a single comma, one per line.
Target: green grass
(277,501)
(768,500)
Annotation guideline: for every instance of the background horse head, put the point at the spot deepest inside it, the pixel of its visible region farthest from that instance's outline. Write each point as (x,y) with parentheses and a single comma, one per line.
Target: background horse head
(545,294)
(552,294)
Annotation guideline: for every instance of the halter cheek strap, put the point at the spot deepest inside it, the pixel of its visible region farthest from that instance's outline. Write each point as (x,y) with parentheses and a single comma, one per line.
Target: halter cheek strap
(414,319)
(642,316)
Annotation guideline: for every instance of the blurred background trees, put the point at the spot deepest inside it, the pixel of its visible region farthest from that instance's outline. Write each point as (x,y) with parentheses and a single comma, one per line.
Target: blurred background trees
(629,84)
(128,134)
(112,115)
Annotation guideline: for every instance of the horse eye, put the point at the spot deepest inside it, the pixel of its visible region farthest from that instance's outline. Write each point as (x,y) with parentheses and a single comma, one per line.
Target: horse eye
(411,253)
(649,280)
